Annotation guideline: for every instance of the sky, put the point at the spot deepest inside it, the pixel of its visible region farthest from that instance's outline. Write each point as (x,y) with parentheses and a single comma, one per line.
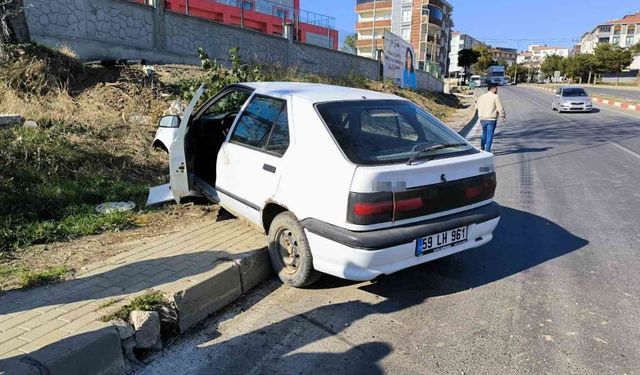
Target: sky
(501,22)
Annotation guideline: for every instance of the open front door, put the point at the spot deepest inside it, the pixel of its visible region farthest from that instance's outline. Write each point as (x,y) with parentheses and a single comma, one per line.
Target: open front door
(178,171)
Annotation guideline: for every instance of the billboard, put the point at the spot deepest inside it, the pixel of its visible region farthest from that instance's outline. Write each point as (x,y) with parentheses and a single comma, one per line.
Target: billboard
(400,61)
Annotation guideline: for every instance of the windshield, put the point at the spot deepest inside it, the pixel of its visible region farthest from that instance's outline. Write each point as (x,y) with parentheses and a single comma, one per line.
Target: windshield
(574,92)
(497,74)
(371,132)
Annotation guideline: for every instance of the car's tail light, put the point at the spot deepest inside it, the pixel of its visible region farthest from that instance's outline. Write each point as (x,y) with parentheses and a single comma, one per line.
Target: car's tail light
(473,192)
(369,209)
(381,207)
(411,204)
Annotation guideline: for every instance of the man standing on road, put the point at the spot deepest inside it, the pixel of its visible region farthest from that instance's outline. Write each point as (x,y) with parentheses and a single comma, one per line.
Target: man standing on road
(489,109)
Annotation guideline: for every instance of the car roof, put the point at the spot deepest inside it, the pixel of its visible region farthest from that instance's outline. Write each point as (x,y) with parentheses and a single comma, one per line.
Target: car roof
(315,92)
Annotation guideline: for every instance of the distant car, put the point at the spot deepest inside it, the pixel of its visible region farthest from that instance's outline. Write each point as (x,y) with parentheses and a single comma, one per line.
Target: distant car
(348,182)
(476,81)
(571,99)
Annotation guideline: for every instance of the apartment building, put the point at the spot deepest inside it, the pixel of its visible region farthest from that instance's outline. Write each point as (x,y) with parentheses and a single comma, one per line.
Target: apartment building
(536,54)
(623,32)
(426,24)
(266,16)
(459,41)
(510,55)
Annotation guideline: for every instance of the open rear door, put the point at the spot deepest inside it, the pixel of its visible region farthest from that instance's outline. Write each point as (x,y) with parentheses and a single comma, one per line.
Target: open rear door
(178,171)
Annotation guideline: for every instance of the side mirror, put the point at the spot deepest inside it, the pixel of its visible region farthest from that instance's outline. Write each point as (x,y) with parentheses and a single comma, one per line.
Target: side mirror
(169,122)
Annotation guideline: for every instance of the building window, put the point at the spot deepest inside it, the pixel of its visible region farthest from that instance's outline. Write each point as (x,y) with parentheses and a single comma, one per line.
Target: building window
(629,41)
(280,12)
(248,4)
(406,15)
(617,30)
(603,40)
(604,29)
(406,33)
(615,40)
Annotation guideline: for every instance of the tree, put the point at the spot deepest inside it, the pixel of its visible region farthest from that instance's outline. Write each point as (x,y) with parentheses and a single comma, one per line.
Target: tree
(466,58)
(522,72)
(551,64)
(485,60)
(612,58)
(635,49)
(13,25)
(349,43)
(579,66)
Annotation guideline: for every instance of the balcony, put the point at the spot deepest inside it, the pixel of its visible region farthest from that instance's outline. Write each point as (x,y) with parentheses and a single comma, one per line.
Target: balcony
(364,5)
(370,24)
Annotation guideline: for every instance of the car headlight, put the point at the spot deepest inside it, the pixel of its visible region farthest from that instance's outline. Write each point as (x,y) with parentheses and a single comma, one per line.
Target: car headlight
(565,102)
(588,102)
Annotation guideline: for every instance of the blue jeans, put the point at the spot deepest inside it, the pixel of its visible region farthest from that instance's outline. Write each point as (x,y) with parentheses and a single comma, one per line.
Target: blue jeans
(488,127)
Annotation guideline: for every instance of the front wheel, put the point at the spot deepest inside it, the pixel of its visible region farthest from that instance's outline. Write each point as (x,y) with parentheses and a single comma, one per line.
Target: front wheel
(290,252)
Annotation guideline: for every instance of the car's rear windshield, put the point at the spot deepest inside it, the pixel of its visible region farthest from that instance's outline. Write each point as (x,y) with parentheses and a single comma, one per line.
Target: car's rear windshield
(573,92)
(372,132)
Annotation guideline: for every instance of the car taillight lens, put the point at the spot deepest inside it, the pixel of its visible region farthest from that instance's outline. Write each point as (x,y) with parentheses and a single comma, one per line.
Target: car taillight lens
(473,192)
(381,207)
(404,205)
(368,209)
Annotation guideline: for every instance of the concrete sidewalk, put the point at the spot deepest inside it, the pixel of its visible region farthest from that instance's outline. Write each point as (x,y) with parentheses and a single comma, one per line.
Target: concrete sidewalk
(58,328)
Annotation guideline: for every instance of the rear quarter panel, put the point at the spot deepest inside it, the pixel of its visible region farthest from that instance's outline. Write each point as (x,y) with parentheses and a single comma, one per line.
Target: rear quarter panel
(316,177)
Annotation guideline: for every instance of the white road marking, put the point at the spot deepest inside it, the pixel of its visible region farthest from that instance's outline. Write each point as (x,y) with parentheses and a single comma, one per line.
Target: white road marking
(626,150)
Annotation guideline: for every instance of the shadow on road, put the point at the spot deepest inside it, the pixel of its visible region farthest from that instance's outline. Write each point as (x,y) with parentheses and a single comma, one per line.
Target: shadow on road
(125,279)
(522,241)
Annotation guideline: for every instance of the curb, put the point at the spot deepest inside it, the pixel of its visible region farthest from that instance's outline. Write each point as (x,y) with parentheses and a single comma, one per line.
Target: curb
(198,297)
(95,351)
(98,348)
(610,102)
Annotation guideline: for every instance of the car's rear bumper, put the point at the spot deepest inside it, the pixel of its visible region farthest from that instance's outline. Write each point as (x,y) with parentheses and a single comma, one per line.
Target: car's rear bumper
(367,255)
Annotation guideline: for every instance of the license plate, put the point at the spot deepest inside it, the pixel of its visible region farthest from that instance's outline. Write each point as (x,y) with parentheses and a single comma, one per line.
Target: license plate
(439,241)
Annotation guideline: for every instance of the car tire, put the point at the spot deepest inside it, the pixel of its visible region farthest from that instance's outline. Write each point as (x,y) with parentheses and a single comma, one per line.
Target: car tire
(290,253)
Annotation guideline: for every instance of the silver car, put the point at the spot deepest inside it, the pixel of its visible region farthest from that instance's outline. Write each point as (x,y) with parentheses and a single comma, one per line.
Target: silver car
(571,99)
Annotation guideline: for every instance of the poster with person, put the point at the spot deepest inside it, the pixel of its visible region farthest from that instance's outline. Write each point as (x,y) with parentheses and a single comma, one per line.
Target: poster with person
(399,62)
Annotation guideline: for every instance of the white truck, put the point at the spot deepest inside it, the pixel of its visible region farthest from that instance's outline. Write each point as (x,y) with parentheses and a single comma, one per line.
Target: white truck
(496,74)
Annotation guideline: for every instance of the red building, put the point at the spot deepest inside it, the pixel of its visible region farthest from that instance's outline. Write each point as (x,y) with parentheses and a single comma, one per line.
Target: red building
(266,16)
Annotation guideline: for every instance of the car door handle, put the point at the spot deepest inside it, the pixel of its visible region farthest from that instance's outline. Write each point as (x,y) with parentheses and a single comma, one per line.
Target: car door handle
(269,168)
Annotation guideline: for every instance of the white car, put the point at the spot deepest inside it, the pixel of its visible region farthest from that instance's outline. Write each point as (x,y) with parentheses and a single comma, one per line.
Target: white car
(167,129)
(571,99)
(347,182)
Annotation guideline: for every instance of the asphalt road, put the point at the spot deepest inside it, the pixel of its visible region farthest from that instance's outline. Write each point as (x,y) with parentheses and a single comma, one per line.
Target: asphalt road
(556,292)
(620,93)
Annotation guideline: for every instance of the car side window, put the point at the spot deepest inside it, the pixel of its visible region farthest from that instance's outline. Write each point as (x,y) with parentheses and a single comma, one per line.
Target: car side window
(263,117)
(279,140)
(230,102)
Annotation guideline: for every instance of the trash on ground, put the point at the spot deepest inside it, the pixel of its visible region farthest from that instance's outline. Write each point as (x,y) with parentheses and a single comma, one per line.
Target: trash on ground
(111,207)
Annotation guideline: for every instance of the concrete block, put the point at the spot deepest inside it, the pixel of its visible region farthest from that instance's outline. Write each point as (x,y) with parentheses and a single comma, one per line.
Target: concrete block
(94,351)
(255,267)
(199,296)
(13,119)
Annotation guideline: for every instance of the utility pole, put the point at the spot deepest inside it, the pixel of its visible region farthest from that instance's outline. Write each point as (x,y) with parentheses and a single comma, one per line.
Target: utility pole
(515,79)
(374,42)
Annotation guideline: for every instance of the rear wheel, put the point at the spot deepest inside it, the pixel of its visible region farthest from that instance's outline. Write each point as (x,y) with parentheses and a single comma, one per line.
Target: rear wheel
(290,252)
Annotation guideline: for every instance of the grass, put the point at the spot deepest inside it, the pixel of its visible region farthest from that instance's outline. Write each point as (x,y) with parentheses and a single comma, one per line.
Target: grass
(53,176)
(147,302)
(28,279)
